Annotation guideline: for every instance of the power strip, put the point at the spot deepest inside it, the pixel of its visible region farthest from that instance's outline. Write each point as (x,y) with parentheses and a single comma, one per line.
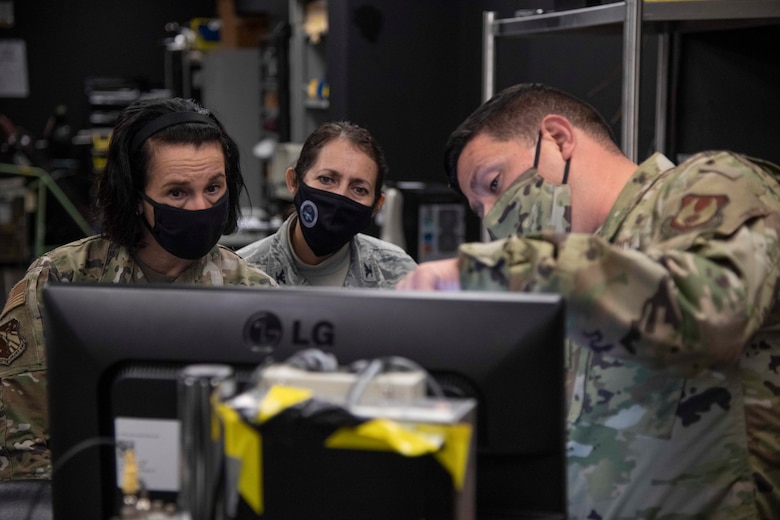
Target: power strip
(400,388)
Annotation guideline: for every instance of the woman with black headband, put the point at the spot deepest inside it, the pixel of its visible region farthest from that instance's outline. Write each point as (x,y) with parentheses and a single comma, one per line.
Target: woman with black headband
(169,191)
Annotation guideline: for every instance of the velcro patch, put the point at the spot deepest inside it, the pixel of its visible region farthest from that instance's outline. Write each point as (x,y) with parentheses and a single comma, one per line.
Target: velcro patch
(16,297)
(11,343)
(698,211)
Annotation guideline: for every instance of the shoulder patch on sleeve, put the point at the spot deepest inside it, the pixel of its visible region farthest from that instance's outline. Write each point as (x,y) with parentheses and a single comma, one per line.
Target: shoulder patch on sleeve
(16,297)
(698,211)
(11,343)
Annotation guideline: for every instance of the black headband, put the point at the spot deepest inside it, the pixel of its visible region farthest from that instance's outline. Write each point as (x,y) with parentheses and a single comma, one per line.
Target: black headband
(164,121)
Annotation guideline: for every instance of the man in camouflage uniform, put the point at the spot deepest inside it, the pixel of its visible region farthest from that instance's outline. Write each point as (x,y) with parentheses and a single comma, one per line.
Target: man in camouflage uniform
(337,187)
(670,275)
(174,144)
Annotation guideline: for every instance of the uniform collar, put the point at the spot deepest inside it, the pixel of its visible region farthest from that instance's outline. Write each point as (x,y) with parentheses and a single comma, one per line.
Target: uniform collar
(640,182)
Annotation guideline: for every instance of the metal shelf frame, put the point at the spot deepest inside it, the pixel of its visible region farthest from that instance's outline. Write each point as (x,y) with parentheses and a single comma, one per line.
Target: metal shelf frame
(44,181)
(635,16)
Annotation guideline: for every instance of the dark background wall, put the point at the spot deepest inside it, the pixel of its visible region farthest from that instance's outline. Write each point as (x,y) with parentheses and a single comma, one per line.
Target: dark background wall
(398,83)
(68,42)
(422,75)
(728,93)
(411,86)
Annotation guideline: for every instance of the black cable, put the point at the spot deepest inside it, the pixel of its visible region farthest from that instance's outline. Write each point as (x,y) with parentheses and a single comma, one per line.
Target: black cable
(83,445)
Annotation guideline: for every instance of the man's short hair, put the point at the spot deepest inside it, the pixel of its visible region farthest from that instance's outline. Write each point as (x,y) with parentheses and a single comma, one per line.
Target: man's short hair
(516,113)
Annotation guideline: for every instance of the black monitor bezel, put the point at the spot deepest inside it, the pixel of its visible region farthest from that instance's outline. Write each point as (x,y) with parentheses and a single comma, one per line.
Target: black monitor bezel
(86,322)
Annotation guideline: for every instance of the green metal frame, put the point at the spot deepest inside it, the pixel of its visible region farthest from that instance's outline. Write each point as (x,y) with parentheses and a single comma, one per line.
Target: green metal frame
(46,182)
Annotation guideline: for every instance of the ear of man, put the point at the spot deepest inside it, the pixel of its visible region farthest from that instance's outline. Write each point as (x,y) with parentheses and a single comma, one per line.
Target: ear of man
(561,131)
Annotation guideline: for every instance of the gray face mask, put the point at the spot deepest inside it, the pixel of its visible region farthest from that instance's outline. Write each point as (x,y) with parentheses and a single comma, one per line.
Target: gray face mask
(531,204)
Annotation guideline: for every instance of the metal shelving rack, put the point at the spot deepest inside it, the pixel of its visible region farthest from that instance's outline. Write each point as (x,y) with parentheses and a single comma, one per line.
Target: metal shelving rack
(308,61)
(658,16)
(43,182)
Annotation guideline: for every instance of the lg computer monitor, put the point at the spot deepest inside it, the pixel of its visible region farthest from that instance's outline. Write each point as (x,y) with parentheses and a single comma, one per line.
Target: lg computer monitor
(114,352)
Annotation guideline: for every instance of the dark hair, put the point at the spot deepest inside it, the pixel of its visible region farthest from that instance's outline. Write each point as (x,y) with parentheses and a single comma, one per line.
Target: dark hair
(356,135)
(125,175)
(516,113)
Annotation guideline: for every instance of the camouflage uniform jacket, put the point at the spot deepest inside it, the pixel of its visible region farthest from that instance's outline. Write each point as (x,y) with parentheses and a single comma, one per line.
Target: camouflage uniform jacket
(24,431)
(674,369)
(373,262)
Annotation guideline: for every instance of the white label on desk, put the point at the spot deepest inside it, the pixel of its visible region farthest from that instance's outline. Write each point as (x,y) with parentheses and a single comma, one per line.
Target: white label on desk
(156,444)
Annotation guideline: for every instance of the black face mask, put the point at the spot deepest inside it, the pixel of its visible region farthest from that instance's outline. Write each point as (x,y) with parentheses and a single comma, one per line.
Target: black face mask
(188,234)
(328,220)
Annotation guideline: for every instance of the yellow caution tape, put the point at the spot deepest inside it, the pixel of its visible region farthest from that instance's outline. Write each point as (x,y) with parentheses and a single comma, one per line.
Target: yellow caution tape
(454,455)
(383,435)
(278,399)
(243,442)
(448,443)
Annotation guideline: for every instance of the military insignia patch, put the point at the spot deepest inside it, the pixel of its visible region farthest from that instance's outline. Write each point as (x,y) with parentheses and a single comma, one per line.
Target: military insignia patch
(16,296)
(11,343)
(698,211)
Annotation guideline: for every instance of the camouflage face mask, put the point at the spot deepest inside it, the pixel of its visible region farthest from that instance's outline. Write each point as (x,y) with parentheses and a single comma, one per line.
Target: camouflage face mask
(530,205)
